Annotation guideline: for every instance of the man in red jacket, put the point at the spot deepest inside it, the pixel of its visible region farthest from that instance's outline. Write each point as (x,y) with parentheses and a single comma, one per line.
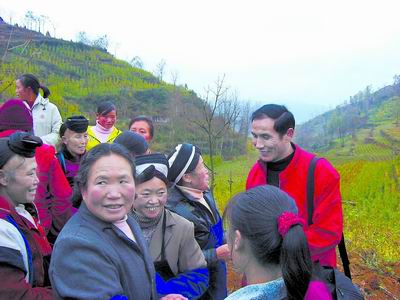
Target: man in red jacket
(285,165)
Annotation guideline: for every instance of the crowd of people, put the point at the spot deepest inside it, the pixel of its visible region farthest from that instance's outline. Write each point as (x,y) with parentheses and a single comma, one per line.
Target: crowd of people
(90,212)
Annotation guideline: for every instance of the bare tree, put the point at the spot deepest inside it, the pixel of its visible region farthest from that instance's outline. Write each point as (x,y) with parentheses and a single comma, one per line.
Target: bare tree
(8,48)
(83,38)
(44,19)
(29,19)
(218,114)
(101,42)
(137,62)
(160,68)
(174,77)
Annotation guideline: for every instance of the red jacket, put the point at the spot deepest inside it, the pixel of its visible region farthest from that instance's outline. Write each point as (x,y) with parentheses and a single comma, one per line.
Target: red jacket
(324,234)
(53,195)
(16,281)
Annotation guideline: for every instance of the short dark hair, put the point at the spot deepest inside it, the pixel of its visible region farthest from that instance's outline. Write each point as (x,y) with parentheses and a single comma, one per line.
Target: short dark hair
(255,214)
(30,80)
(283,118)
(99,151)
(105,107)
(145,119)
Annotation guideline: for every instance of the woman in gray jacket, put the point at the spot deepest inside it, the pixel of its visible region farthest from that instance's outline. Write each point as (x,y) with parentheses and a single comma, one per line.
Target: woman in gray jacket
(101,252)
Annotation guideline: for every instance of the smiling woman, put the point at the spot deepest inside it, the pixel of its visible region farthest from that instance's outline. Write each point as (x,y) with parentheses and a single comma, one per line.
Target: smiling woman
(104,131)
(23,244)
(178,260)
(101,243)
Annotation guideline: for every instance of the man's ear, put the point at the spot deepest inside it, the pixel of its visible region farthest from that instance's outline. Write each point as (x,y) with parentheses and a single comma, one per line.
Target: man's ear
(4,178)
(290,132)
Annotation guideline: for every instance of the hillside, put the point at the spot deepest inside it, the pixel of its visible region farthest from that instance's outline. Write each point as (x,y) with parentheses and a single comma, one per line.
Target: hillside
(319,133)
(80,76)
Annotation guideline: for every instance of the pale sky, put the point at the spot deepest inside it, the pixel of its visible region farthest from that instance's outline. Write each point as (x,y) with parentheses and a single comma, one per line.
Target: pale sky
(311,54)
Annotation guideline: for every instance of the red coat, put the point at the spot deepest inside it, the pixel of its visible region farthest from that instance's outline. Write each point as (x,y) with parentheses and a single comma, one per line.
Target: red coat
(324,234)
(13,255)
(53,195)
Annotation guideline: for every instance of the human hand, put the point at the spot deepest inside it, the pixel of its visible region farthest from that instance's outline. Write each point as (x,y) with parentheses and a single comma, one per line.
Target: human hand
(173,297)
(223,252)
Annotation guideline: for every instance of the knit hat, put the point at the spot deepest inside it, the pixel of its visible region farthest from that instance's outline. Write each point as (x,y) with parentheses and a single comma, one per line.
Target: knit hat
(150,166)
(182,160)
(135,143)
(77,124)
(14,114)
(19,143)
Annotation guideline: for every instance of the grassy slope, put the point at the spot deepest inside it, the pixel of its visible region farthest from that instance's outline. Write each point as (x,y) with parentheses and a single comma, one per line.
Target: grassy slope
(78,75)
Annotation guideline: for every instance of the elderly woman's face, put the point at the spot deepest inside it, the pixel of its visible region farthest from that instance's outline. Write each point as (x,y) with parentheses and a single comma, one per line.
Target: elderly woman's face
(199,177)
(151,197)
(110,188)
(75,142)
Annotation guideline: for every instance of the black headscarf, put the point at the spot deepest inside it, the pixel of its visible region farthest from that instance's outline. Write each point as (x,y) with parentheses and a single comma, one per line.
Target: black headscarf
(19,143)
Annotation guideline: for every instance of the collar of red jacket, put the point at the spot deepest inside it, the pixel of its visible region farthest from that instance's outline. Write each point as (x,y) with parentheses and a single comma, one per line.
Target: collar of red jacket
(7,133)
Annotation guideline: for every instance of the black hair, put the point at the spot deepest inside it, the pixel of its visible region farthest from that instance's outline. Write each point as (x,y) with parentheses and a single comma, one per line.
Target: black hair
(91,157)
(283,118)
(145,119)
(254,213)
(63,129)
(105,107)
(29,80)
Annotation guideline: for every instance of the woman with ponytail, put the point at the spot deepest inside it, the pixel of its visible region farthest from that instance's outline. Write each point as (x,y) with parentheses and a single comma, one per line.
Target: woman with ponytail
(269,246)
(46,117)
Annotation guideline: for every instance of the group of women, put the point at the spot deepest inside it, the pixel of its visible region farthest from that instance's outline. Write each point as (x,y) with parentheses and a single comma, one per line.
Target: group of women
(145,225)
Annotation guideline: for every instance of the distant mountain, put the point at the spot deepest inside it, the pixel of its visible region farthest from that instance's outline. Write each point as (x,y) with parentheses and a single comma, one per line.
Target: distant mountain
(366,110)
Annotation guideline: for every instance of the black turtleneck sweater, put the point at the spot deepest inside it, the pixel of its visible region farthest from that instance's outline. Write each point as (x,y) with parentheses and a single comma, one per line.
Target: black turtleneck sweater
(274,168)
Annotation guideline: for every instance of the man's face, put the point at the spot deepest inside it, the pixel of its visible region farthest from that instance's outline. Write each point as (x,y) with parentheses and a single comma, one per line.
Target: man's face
(271,146)
(20,178)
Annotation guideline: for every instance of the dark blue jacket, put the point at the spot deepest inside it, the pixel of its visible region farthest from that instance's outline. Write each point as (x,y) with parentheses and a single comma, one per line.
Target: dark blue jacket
(209,233)
(93,259)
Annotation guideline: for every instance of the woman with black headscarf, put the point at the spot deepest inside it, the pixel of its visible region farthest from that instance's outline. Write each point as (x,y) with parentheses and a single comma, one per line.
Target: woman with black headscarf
(23,243)
(178,260)
(190,197)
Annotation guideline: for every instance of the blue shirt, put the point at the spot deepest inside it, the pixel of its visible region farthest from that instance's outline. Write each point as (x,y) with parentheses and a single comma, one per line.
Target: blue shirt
(268,290)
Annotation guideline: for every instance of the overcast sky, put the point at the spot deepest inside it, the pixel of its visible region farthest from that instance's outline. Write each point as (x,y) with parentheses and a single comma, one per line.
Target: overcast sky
(310,54)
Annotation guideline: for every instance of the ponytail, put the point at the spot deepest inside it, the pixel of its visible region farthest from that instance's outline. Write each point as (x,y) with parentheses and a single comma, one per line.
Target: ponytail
(46,91)
(268,218)
(296,262)
(30,80)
